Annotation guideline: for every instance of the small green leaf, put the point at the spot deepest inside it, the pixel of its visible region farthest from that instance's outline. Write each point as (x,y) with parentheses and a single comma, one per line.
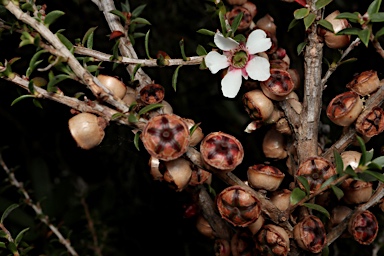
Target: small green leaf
(8,211)
(12,247)
(51,87)
(147,44)
(363,150)
(65,41)
(206,32)
(338,162)
(222,22)
(377,175)
(2,245)
(93,68)
(308,21)
(138,10)
(374,166)
(182,50)
(317,208)
(52,17)
(31,88)
(352,17)
(125,6)
(293,24)
(120,15)
(88,37)
(37,103)
(326,24)
(141,21)
(379,161)
(236,22)
(337,191)
(136,140)
(149,108)
(174,77)
(240,38)
(27,7)
(364,36)
(297,195)
(349,31)
(301,13)
(349,170)
(200,50)
(3,234)
(377,17)
(305,183)
(117,115)
(21,98)
(137,67)
(328,181)
(193,128)
(300,47)
(379,33)
(325,251)
(368,155)
(321,3)
(19,236)
(132,118)
(374,7)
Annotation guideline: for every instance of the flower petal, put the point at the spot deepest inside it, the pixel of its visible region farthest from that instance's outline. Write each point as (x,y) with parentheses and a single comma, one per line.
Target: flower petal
(231,83)
(215,61)
(258,69)
(258,42)
(225,43)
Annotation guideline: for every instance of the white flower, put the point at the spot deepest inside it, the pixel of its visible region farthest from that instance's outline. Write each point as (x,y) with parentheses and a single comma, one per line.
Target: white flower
(240,59)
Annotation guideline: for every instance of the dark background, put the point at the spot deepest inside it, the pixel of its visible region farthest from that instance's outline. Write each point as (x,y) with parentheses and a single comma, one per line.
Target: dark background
(131,212)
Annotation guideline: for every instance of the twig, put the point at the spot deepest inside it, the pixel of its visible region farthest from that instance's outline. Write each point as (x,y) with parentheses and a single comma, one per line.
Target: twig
(91,227)
(39,212)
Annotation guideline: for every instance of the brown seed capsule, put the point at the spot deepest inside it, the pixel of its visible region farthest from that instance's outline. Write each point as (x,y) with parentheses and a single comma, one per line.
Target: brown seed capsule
(272,240)
(237,206)
(257,105)
(356,191)
(242,243)
(130,96)
(204,227)
(331,39)
(274,144)
(246,20)
(278,85)
(197,134)
(261,176)
(365,83)
(87,129)
(267,23)
(154,165)
(344,109)
(350,157)
(165,109)
(152,93)
(255,226)
(166,137)
(316,170)
(338,214)
(251,7)
(177,173)
(199,176)
(363,226)
(117,87)
(222,247)
(281,199)
(370,122)
(236,2)
(221,151)
(310,234)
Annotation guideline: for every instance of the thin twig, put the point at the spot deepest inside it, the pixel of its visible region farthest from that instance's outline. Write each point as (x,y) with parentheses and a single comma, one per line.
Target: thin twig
(39,212)
(91,227)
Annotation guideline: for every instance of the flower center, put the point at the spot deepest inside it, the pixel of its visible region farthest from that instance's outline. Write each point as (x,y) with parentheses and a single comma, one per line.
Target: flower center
(240,59)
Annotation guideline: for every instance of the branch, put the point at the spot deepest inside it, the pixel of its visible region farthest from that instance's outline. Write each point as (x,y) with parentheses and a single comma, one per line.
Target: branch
(39,212)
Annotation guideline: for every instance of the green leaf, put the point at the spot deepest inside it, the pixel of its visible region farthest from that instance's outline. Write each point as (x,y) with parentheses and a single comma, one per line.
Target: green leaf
(2,245)
(338,162)
(12,247)
(377,175)
(363,150)
(132,118)
(175,76)
(300,47)
(379,161)
(8,211)
(325,251)
(349,170)
(321,3)
(374,166)
(3,234)
(328,181)
(137,67)
(240,38)
(200,50)
(120,15)
(222,22)
(65,41)
(136,140)
(31,88)
(19,236)
(326,24)
(206,32)
(368,156)
(374,7)
(293,24)
(51,87)
(301,13)
(125,6)
(317,208)
(138,10)
(379,33)
(193,128)
(337,191)
(305,183)
(141,21)
(88,38)
(364,36)
(146,44)
(34,62)
(308,21)
(117,115)
(52,17)
(377,17)
(37,103)
(182,50)
(27,7)
(352,17)
(149,108)
(21,98)
(236,22)
(349,31)
(93,68)
(297,195)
